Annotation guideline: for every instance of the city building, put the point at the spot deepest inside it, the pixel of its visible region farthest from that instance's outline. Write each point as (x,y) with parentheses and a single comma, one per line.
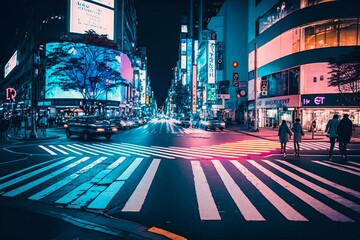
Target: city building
(289,47)
(51,24)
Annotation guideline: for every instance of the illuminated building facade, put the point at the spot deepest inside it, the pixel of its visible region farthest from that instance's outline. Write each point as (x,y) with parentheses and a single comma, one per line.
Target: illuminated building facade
(53,22)
(290,43)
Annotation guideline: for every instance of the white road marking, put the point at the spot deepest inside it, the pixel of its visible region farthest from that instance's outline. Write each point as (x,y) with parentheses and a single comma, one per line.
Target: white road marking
(311,201)
(38,181)
(31,174)
(137,199)
(47,150)
(323,180)
(335,197)
(337,167)
(245,206)
(283,207)
(207,206)
(47,191)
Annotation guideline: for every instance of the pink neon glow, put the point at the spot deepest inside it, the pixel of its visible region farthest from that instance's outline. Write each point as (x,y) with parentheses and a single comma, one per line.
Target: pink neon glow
(126,68)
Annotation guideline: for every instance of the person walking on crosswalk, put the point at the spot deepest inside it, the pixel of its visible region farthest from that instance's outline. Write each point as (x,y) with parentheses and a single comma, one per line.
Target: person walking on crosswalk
(284,133)
(344,132)
(331,129)
(298,133)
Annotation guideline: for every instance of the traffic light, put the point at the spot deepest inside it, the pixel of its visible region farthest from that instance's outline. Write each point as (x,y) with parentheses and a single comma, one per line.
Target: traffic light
(235,79)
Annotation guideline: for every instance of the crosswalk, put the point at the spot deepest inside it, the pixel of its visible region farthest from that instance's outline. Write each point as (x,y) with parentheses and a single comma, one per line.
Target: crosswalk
(226,150)
(312,146)
(260,190)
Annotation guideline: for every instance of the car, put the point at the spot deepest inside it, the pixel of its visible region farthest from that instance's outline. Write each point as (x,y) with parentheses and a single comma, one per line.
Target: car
(120,123)
(184,122)
(212,123)
(89,126)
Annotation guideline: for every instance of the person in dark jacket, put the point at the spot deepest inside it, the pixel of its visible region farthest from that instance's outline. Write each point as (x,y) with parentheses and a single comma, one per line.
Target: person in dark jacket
(344,132)
(298,133)
(284,133)
(331,130)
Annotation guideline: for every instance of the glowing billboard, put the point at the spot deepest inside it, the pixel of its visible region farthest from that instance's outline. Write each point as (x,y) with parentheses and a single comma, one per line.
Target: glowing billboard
(109,3)
(114,59)
(11,64)
(85,16)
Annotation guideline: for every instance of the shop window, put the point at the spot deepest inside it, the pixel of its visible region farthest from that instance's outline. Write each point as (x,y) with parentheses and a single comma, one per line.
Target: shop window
(348,32)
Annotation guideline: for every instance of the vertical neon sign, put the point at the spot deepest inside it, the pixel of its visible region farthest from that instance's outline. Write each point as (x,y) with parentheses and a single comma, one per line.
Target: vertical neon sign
(211,62)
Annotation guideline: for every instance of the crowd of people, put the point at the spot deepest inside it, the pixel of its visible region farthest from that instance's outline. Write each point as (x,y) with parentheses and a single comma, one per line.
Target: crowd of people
(336,130)
(16,123)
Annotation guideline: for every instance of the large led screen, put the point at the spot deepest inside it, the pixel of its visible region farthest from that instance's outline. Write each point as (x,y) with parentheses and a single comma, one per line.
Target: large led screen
(119,62)
(86,16)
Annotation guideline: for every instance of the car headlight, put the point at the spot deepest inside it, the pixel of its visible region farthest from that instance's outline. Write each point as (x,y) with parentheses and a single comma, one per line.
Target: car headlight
(114,129)
(207,123)
(100,129)
(65,125)
(222,124)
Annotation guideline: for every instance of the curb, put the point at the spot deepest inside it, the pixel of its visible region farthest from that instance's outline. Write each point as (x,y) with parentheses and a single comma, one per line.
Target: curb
(86,220)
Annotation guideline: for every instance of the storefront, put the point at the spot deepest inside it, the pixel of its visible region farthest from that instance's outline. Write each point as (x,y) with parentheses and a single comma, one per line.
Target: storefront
(273,110)
(322,107)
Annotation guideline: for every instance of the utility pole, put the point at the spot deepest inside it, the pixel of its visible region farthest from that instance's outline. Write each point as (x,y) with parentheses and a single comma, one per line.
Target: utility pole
(255,90)
(35,74)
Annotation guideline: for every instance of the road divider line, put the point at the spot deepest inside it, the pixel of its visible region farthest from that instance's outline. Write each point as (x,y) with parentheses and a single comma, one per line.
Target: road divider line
(206,205)
(311,201)
(283,207)
(137,199)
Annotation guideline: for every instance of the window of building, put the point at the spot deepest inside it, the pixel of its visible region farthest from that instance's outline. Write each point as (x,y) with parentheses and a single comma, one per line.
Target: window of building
(329,33)
(283,83)
(309,35)
(332,33)
(348,32)
(320,31)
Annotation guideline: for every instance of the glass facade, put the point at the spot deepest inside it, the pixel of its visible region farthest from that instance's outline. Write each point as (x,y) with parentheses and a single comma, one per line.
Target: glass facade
(329,33)
(283,83)
(283,8)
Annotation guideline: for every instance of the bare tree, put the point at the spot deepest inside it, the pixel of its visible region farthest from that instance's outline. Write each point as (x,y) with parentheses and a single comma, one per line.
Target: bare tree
(345,75)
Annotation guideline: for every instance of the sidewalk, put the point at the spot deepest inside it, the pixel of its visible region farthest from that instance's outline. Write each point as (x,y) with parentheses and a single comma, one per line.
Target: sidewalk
(271,134)
(51,133)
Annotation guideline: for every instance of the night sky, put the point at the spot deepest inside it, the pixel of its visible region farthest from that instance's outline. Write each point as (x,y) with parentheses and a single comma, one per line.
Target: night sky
(158,31)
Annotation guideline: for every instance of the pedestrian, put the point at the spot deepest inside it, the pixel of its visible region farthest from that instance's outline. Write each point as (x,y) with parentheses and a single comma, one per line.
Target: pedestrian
(344,133)
(284,133)
(43,123)
(331,130)
(298,134)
